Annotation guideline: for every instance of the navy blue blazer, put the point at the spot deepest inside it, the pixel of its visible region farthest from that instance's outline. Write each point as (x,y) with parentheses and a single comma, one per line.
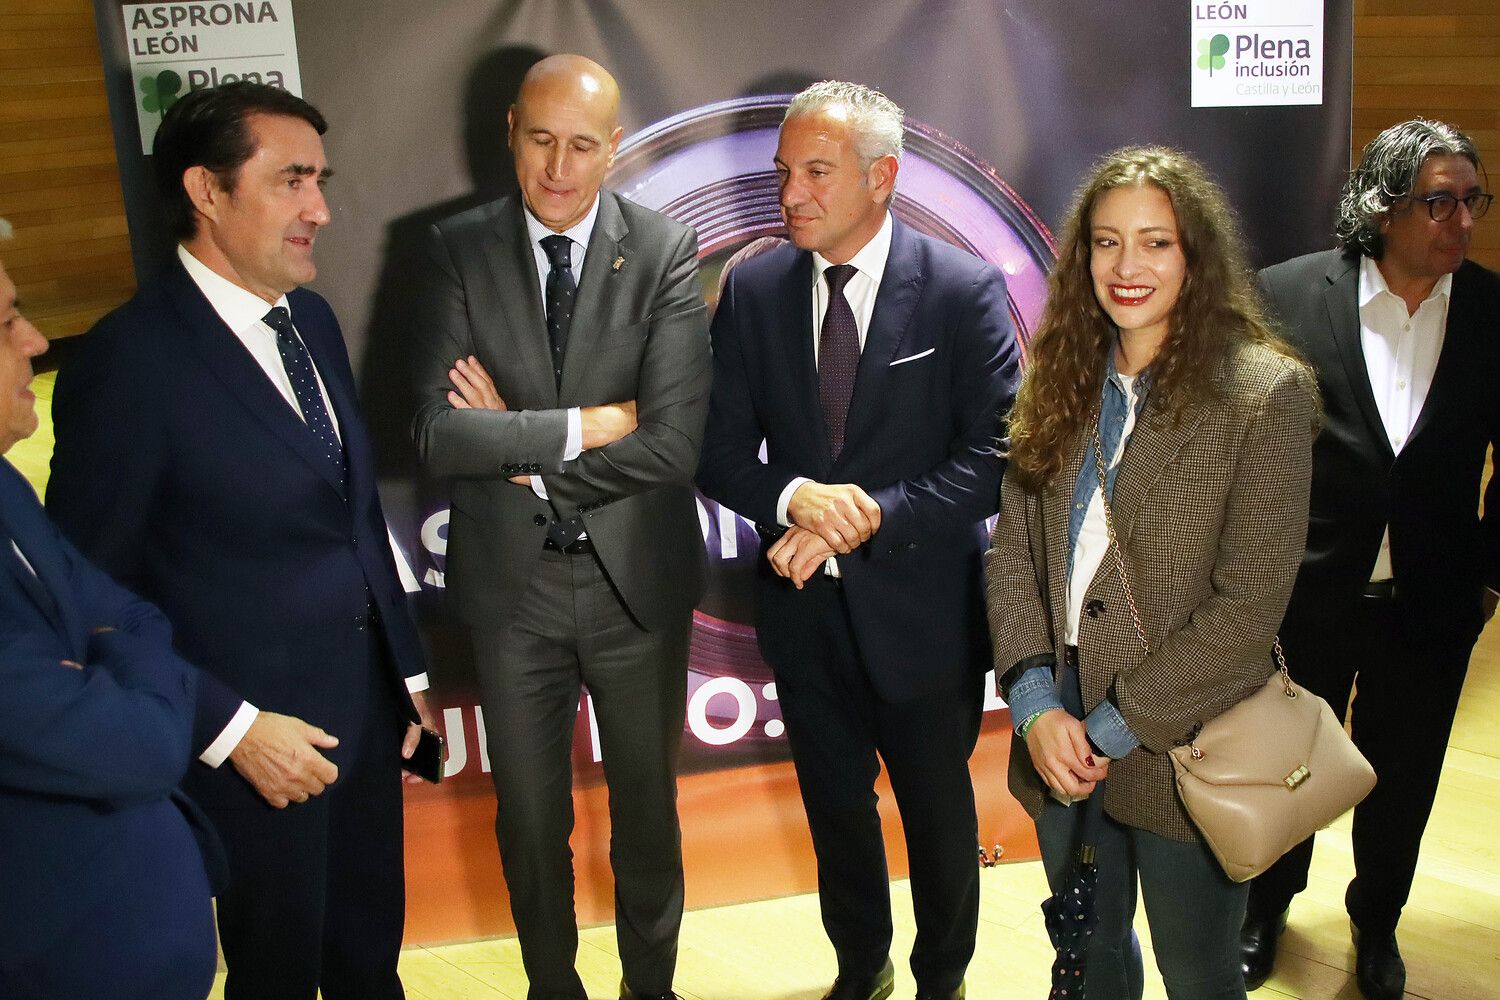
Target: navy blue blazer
(105,891)
(938,370)
(163,414)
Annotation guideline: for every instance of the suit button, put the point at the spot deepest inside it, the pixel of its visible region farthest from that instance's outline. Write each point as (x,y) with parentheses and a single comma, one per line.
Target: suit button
(539,520)
(1094,608)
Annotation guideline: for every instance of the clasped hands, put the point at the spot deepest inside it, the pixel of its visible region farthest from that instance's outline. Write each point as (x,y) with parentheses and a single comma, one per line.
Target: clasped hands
(1060,752)
(827,520)
(473,389)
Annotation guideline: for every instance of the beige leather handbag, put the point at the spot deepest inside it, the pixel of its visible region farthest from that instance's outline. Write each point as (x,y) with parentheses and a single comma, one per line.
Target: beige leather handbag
(1265,775)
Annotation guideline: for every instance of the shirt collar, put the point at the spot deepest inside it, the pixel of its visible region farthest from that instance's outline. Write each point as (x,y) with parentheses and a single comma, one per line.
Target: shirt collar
(579,232)
(1112,376)
(238,308)
(871,258)
(1372,284)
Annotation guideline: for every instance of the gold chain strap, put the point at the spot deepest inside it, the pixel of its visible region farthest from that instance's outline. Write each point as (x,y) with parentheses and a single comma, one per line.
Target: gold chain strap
(1114,544)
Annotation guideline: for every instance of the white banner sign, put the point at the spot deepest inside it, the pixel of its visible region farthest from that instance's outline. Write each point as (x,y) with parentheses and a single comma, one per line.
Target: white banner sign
(1257,52)
(179,47)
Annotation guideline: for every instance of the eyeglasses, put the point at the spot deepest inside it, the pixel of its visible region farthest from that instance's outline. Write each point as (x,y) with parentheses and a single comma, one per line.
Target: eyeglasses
(1442,205)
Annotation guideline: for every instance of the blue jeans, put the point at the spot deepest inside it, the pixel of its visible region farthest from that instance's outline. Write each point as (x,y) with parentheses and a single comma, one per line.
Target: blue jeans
(1194,910)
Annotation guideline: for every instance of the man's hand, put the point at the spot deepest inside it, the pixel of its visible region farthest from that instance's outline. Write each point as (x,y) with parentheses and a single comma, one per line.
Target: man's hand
(606,424)
(279,756)
(798,554)
(476,390)
(843,515)
(1059,748)
(414,731)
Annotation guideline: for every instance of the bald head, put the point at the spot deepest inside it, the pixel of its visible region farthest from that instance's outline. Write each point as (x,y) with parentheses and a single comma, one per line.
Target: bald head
(564,131)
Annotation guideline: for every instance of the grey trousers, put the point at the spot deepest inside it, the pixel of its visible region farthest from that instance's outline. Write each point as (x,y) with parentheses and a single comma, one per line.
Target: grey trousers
(572,630)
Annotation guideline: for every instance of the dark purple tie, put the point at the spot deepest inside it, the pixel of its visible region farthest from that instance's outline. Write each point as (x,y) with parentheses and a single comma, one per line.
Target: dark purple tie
(838,356)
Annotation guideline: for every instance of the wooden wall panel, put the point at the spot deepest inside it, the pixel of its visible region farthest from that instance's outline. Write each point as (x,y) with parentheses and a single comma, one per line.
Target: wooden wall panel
(58,185)
(1438,59)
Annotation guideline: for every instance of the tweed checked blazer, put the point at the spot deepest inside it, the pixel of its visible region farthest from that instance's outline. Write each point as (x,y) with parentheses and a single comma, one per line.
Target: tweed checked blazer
(1211,513)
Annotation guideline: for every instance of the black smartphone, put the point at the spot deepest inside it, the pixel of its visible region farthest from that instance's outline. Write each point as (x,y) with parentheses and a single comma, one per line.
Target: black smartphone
(426,762)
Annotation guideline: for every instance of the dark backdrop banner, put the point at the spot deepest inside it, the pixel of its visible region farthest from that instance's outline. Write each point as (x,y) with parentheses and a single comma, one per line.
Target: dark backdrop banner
(1007,103)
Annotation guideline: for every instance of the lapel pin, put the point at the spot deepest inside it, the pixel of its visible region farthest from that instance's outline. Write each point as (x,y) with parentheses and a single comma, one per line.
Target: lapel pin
(619,263)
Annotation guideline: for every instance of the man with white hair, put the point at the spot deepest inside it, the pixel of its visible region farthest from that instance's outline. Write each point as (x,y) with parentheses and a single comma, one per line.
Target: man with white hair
(876,364)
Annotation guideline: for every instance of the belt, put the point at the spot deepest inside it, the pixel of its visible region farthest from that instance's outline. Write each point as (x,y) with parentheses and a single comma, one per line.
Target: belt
(577,547)
(1380,590)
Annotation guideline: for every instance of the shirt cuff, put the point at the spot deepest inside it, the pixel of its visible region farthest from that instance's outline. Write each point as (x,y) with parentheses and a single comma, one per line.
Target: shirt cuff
(785,500)
(1107,730)
(538,487)
(229,737)
(573,447)
(1032,692)
(417,682)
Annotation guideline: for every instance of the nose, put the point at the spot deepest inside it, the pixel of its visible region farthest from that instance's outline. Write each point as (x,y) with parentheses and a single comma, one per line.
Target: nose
(316,209)
(32,342)
(792,192)
(557,162)
(1128,262)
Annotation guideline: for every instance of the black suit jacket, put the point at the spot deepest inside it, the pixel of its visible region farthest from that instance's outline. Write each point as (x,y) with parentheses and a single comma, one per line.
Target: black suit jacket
(181,470)
(938,370)
(1442,552)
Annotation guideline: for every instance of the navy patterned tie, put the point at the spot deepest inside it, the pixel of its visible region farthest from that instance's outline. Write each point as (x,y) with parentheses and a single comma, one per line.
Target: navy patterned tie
(299,369)
(838,356)
(562,290)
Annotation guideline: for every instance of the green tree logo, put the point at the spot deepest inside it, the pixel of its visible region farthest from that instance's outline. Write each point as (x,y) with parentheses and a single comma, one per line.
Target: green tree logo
(1211,53)
(161,91)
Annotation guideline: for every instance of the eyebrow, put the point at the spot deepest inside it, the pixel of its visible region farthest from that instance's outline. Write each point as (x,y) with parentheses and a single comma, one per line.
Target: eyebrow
(815,162)
(303,170)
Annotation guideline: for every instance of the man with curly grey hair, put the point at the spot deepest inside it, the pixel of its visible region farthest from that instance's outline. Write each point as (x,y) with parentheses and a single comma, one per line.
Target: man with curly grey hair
(1401,572)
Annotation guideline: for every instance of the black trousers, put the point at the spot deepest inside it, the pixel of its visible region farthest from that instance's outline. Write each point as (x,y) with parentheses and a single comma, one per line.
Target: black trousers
(570,630)
(1408,688)
(317,891)
(840,731)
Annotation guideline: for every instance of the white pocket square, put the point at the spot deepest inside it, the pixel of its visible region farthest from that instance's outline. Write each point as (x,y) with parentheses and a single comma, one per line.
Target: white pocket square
(912,357)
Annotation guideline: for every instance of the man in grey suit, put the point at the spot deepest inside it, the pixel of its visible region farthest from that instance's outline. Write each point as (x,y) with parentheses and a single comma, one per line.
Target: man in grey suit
(564,388)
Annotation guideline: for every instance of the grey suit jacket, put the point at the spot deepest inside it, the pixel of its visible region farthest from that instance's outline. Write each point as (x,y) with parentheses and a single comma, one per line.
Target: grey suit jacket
(639,331)
(1211,514)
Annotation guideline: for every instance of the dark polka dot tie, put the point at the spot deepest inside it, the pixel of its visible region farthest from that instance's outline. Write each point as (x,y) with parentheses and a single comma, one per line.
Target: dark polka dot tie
(299,369)
(562,290)
(838,356)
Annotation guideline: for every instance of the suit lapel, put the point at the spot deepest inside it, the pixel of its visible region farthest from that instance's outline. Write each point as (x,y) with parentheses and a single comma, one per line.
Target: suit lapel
(597,290)
(518,298)
(342,398)
(1342,300)
(900,289)
(225,356)
(791,333)
(46,584)
(1453,359)
(1057,501)
(1153,444)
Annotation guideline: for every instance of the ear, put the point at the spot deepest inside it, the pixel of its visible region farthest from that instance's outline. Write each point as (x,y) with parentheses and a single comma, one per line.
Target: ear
(203,190)
(614,144)
(510,126)
(883,177)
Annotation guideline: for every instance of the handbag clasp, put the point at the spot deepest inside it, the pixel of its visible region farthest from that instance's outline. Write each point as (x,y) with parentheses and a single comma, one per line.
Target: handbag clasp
(1296,778)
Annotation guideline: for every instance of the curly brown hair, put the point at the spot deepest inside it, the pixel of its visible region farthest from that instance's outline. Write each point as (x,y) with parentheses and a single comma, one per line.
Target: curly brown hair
(1216,309)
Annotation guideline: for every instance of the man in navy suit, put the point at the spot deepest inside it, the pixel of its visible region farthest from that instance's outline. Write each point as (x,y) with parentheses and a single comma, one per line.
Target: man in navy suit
(106,893)
(211,456)
(876,364)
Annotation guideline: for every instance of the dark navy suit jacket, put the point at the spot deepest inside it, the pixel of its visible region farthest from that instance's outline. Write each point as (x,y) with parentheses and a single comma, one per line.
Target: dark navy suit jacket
(938,369)
(104,889)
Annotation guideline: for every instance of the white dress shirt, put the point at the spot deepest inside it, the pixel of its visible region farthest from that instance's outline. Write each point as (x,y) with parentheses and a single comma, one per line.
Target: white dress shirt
(860,292)
(1401,354)
(243,312)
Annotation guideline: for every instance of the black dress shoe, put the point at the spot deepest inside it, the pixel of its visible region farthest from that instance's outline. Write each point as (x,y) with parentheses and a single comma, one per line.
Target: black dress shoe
(867,987)
(957,993)
(626,993)
(1378,968)
(1258,940)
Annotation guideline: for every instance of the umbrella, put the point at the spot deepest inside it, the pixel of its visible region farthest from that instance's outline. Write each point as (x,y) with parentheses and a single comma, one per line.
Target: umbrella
(1069,913)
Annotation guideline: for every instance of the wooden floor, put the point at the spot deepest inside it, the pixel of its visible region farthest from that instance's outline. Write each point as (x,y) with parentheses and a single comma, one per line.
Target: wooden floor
(775,950)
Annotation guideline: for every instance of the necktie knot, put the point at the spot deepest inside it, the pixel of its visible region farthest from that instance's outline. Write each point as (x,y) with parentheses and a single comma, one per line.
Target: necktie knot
(558,249)
(838,276)
(279,320)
